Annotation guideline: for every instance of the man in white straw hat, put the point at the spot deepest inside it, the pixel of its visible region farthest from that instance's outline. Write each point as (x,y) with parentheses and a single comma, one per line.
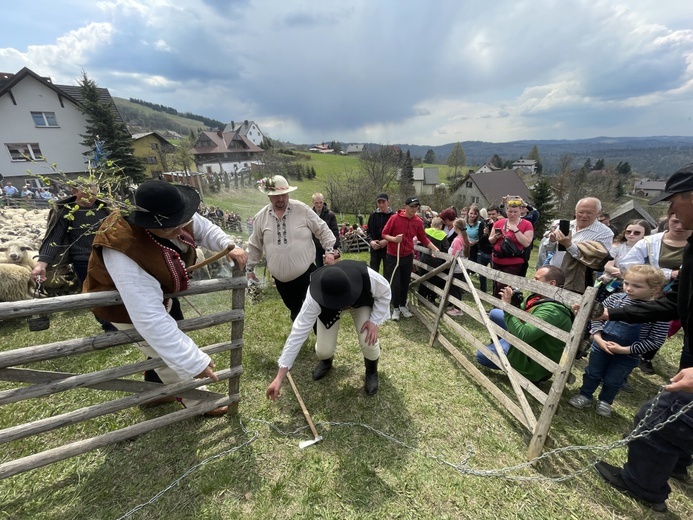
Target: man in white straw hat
(283,231)
(347,285)
(144,255)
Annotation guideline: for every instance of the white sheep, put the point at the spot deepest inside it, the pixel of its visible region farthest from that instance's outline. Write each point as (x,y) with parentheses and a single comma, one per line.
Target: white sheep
(15,283)
(17,252)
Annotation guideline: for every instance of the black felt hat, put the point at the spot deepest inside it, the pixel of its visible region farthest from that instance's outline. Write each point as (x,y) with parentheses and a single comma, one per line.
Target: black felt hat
(680,182)
(338,285)
(160,204)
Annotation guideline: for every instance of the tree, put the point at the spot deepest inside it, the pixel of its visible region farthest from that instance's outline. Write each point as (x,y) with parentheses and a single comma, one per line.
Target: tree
(534,156)
(103,127)
(543,201)
(406,176)
(599,165)
(430,157)
(588,164)
(497,161)
(623,168)
(336,146)
(456,159)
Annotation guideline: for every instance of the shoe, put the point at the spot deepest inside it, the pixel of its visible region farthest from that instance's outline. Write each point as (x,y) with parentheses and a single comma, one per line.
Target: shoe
(395,315)
(217,412)
(583,349)
(571,379)
(646,367)
(371,381)
(454,312)
(405,312)
(612,474)
(603,409)
(322,368)
(580,401)
(160,400)
(626,387)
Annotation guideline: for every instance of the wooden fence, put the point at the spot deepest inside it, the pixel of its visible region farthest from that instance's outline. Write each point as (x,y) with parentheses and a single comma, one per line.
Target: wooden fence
(446,330)
(27,383)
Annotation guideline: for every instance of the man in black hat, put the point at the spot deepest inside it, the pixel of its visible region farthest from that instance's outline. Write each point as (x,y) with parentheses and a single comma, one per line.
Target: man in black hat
(665,453)
(144,255)
(376,223)
(346,285)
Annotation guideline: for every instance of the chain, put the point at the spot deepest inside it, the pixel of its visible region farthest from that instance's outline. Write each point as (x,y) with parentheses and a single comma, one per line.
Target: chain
(461,467)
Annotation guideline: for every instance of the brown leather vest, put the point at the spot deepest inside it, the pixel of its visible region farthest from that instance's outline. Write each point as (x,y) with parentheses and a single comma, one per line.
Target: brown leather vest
(133,241)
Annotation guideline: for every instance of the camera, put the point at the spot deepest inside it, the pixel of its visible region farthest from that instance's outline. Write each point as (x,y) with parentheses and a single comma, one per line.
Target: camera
(517,298)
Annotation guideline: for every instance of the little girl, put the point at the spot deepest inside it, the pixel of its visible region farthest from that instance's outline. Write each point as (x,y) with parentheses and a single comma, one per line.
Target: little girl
(461,243)
(617,345)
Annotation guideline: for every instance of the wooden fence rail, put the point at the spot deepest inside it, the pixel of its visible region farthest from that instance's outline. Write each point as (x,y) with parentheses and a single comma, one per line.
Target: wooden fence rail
(446,331)
(35,384)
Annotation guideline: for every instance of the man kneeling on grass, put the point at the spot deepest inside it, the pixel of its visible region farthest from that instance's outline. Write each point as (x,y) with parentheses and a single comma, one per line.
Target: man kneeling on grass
(347,285)
(546,309)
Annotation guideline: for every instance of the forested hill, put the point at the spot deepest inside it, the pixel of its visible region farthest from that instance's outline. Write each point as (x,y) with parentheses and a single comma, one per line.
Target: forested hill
(658,156)
(141,116)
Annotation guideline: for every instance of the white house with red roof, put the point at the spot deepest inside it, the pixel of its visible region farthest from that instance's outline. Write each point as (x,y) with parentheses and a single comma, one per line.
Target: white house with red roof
(219,152)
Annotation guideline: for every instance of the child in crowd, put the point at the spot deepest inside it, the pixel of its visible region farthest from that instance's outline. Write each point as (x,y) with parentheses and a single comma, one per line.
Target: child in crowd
(617,345)
(461,243)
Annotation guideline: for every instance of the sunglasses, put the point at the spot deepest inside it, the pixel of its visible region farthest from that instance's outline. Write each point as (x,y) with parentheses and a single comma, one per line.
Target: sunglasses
(515,203)
(630,232)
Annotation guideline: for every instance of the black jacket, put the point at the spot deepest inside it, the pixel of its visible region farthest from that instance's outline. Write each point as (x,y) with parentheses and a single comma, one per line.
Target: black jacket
(376,223)
(331,220)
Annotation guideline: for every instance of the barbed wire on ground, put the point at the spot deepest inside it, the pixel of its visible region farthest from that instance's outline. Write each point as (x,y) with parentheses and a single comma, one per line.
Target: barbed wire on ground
(639,431)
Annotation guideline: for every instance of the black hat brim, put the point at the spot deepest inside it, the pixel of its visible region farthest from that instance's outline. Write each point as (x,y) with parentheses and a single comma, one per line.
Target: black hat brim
(149,220)
(344,298)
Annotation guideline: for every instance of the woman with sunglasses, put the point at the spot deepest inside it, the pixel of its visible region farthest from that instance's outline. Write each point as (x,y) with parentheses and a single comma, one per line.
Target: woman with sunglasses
(635,231)
(664,251)
(516,229)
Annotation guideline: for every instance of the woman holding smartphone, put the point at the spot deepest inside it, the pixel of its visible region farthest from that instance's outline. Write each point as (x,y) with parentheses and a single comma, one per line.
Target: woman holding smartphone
(519,231)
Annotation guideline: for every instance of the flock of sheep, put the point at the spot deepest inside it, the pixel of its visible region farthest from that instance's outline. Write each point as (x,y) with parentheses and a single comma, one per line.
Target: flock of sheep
(21,233)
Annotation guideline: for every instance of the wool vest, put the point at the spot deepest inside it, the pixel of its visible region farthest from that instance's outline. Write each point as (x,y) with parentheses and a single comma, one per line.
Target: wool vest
(329,317)
(136,243)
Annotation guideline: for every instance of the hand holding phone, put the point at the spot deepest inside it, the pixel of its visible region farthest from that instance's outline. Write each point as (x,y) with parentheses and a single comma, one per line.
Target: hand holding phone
(498,231)
(563,227)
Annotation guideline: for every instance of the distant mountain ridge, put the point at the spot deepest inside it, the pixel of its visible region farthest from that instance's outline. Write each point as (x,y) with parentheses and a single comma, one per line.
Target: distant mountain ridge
(656,156)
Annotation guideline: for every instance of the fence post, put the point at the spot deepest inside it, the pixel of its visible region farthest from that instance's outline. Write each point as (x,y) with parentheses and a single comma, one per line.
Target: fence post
(237,326)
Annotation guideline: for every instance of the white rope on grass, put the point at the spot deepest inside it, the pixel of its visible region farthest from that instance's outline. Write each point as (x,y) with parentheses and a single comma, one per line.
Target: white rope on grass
(461,467)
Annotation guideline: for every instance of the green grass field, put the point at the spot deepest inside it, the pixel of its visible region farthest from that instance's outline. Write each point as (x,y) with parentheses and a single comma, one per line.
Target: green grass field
(387,456)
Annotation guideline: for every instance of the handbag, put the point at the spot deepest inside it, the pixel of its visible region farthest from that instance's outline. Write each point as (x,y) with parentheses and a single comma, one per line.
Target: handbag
(508,248)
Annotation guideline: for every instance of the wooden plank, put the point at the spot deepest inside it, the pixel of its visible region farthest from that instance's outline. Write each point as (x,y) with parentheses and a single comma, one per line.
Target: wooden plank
(22,309)
(78,381)
(25,375)
(58,349)
(541,431)
(83,414)
(236,355)
(47,457)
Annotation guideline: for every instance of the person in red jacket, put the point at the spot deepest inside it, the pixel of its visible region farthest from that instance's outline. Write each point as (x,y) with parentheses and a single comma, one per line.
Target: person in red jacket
(399,232)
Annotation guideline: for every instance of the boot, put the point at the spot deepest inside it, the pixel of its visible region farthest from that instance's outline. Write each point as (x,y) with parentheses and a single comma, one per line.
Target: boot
(371,385)
(322,368)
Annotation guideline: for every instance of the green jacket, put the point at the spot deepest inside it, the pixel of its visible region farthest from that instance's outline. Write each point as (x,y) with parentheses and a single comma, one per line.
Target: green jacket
(551,312)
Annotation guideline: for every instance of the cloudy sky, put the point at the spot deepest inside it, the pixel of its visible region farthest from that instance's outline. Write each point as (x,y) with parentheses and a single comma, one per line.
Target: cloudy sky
(388,71)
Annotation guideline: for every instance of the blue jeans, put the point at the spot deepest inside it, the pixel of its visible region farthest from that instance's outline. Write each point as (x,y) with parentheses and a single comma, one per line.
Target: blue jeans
(483,259)
(611,370)
(497,317)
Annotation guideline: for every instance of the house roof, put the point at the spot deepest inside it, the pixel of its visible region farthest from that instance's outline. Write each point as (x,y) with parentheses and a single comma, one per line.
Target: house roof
(222,142)
(497,184)
(647,184)
(355,148)
(243,127)
(525,162)
(69,92)
(631,206)
(161,138)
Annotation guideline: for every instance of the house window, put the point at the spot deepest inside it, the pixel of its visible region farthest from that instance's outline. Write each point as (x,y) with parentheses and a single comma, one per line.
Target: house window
(155,146)
(44,118)
(25,152)
(469,184)
(475,200)
(151,160)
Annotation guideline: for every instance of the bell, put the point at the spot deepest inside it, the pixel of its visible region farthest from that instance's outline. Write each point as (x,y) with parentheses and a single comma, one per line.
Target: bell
(38,322)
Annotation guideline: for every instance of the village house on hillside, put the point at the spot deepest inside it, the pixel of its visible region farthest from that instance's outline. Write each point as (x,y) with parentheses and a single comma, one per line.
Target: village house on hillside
(525,166)
(425,180)
(42,122)
(151,148)
(321,148)
(248,129)
(648,188)
(489,188)
(486,168)
(219,152)
(355,149)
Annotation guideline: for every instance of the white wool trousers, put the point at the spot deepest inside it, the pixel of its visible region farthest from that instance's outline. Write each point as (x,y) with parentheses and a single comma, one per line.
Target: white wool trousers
(326,342)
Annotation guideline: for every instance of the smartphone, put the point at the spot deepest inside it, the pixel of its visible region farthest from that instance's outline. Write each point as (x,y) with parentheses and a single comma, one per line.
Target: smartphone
(498,231)
(564,227)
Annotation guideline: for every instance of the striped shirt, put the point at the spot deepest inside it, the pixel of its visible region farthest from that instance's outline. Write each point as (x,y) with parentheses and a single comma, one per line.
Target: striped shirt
(595,231)
(652,334)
